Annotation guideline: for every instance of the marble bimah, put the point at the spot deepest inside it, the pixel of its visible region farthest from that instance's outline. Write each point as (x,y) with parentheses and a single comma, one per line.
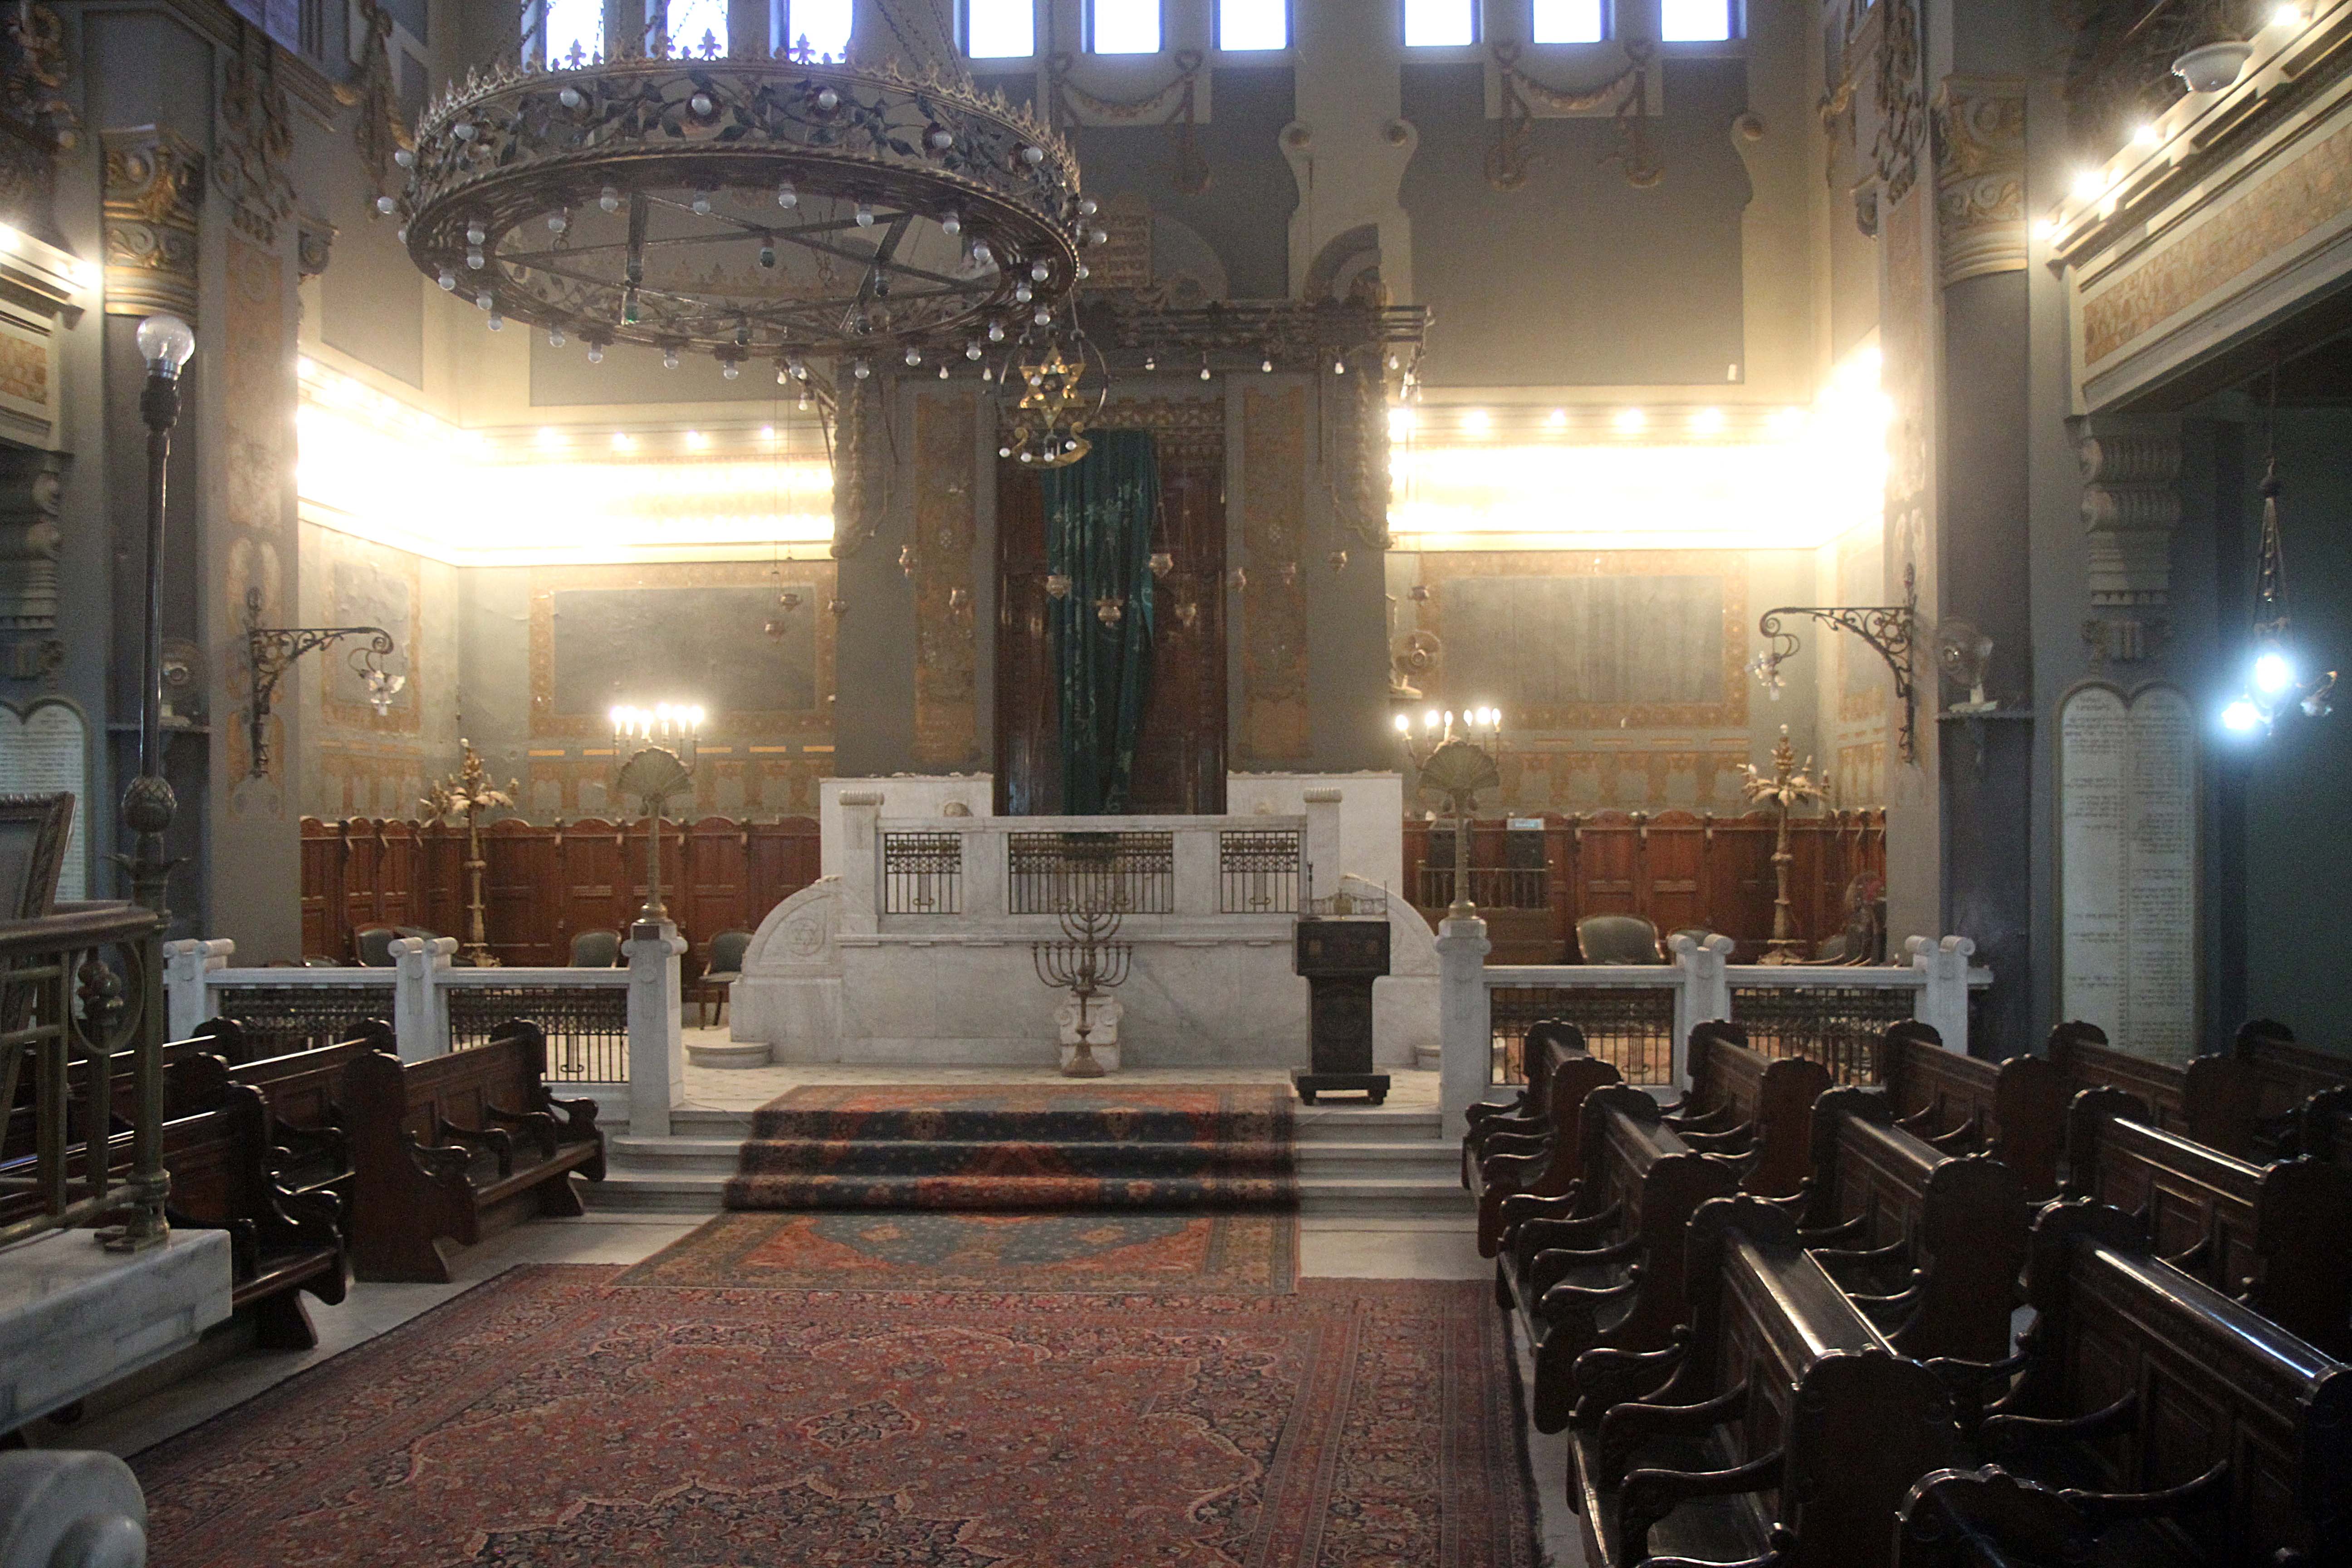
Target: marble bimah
(914,947)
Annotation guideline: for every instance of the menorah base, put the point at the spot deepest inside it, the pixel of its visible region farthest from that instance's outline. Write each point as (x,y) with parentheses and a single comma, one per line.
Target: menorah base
(1372,1086)
(1088,1060)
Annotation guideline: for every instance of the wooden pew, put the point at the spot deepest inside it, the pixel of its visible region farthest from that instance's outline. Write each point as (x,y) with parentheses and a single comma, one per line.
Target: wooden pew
(1612,1272)
(2278,1237)
(1744,1103)
(2244,1101)
(1527,1114)
(280,1242)
(1546,1162)
(1928,1243)
(2173,1425)
(1787,1431)
(304,1090)
(2014,1110)
(458,1147)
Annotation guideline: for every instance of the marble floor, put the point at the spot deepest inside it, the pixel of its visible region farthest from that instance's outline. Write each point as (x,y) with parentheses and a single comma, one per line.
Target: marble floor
(1337,1247)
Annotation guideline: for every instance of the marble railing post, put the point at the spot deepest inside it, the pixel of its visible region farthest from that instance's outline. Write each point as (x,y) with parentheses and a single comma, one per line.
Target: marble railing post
(1466,1030)
(985,892)
(657,1034)
(1321,877)
(420,1009)
(1943,1001)
(1704,995)
(1197,892)
(861,859)
(185,964)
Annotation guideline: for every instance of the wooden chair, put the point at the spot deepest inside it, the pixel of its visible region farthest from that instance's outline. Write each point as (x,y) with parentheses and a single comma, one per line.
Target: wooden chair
(1617,939)
(726,967)
(595,949)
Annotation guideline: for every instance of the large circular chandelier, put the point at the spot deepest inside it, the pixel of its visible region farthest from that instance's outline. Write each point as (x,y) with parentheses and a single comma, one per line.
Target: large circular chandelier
(747,208)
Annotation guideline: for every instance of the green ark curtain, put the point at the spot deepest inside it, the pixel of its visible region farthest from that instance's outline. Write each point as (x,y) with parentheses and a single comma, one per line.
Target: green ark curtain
(1099,516)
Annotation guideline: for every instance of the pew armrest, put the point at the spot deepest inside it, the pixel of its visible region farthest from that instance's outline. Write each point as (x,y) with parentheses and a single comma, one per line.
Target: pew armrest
(538,1125)
(1649,1496)
(497,1139)
(1627,1427)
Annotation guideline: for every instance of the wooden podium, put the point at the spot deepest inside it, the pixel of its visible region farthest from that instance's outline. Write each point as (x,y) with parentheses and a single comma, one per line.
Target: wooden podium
(1339,959)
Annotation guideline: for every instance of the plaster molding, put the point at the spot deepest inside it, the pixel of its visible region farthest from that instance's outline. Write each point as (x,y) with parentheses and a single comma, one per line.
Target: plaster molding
(1980,147)
(155,182)
(314,246)
(31,484)
(252,139)
(2131,503)
(1900,92)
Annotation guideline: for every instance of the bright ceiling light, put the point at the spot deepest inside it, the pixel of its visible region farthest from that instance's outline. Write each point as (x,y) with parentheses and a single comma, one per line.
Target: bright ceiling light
(2240,715)
(2272,673)
(1559,420)
(2090,184)
(1475,422)
(696,440)
(1630,421)
(1708,422)
(2148,135)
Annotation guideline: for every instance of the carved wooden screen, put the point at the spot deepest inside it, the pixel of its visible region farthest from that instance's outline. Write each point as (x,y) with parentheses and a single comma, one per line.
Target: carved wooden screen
(1180,763)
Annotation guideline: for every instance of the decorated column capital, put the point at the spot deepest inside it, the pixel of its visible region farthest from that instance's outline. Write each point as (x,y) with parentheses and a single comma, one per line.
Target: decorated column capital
(1980,147)
(155,182)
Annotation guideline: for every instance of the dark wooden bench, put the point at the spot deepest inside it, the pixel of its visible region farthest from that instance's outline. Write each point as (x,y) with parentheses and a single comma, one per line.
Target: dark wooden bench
(1526,1113)
(280,1242)
(2157,1421)
(2244,1101)
(456,1147)
(2014,1110)
(2276,1236)
(1745,1104)
(1610,1271)
(1545,1161)
(1928,1243)
(1782,1430)
(304,1091)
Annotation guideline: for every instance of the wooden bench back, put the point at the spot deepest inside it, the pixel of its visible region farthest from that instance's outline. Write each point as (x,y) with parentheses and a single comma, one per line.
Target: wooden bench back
(305,1088)
(1635,1160)
(1964,1217)
(2243,1101)
(455,1088)
(2211,1380)
(2017,1108)
(1775,1095)
(1857,1425)
(2272,1235)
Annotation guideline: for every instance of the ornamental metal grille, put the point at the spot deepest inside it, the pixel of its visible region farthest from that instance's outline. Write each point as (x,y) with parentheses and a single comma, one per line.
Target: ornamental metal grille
(587,1027)
(1491,887)
(1257,871)
(1836,1025)
(922,873)
(280,1019)
(1055,873)
(1632,1028)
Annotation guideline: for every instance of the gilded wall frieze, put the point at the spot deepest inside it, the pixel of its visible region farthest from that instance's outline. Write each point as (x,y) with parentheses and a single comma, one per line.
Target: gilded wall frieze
(155,182)
(253,137)
(1901,94)
(1184,430)
(1980,143)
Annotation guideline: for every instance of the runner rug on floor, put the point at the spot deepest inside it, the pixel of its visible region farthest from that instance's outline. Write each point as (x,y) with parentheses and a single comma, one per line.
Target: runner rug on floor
(1249,1252)
(1019,1146)
(546,1420)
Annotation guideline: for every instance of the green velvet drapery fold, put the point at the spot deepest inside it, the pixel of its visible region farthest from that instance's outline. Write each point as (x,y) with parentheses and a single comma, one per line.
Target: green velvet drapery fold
(1099,516)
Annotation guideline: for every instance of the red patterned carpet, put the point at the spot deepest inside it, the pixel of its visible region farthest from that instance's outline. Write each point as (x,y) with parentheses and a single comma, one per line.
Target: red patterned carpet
(549,1420)
(1019,1146)
(1248,1252)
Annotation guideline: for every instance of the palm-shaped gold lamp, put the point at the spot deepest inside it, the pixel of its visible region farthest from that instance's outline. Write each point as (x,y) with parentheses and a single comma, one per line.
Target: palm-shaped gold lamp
(1786,785)
(469,793)
(1450,762)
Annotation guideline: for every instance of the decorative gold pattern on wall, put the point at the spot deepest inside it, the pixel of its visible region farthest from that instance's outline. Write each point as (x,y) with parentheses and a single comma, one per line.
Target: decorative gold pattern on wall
(1184,429)
(2231,239)
(1275,725)
(1728,709)
(1579,775)
(741,723)
(254,138)
(1860,777)
(947,723)
(24,369)
(1979,124)
(154,180)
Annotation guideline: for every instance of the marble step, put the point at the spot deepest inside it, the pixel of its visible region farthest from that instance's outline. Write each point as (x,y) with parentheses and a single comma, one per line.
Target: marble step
(1315,1124)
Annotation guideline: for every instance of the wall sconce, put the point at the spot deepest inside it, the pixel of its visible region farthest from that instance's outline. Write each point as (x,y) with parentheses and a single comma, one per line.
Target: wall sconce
(1889,628)
(273,651)
(1188,615)
(1162,563)
(1057,585)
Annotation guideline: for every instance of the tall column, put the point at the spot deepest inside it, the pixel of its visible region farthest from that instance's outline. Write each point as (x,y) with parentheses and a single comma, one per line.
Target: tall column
(657,1031)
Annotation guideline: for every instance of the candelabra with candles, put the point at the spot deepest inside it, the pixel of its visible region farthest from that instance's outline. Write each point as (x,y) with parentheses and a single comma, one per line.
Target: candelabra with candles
(654,756)
(1454,757)
(1786,785)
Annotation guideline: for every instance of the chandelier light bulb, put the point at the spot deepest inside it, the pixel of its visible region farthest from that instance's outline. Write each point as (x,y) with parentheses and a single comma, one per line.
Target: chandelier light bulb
(569,97)
(476,259)
(496,321)
(483,301)
(595,353)
(1022,293)
(865,215)
(1039,271)
(1266,365)
(950,221)
(555,338)
(1033,156)
(2272,673)
(448,280)
(799,369)
(971,348)
(828,99)
(980,255)
(1088,207)
(914,355)
(2240,715)
(386,206)
(2316,704)
(1339,367)
(1083,272)
(1151,360)
(938,138)
(728,369)
(463,131)
(701,104)
(1205,370)
(405,158)
(995,332)
(476,233)
(861,370)
(401,234)
(786,196)
(557,222)
(768,256)
(702,203)
(669,358)
(943,373)
(609,199)
(1097,237)
(1043,317)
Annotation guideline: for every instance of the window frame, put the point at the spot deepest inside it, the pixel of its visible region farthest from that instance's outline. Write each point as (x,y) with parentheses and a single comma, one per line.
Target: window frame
(1086,21)
(994,62)
(780,20)
(1476,11)
(1289,32)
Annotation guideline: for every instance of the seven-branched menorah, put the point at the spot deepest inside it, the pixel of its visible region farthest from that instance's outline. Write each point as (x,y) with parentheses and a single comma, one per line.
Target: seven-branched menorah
(1086,963)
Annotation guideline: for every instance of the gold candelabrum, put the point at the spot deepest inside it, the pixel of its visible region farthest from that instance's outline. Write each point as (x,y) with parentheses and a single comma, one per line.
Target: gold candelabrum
(654,756)
(1787,785)
(470,792)
(1454,757)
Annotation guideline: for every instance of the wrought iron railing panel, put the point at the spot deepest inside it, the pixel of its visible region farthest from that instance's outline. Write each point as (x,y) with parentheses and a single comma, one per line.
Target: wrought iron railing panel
(1257,871)
(277,1019)
(1836,1025)
(587,1027)
(922,873)
(1054,873)
(1491,887)
(1632,1028)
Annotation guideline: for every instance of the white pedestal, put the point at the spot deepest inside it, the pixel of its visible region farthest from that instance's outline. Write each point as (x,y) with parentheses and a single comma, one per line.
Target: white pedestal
(75,1317)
